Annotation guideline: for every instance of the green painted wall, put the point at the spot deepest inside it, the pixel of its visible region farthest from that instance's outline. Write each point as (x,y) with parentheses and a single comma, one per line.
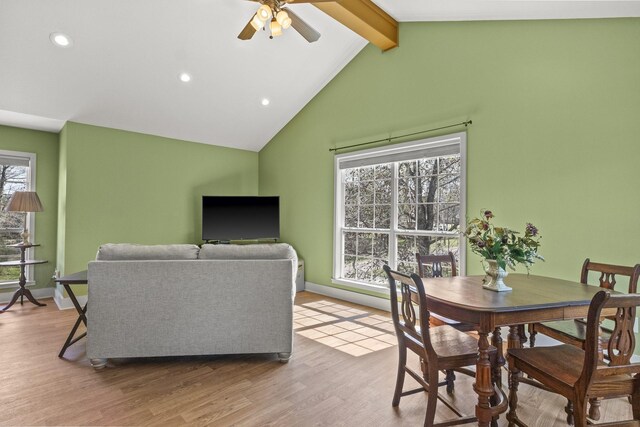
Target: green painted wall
(119,186)
(45,146)
(554,140)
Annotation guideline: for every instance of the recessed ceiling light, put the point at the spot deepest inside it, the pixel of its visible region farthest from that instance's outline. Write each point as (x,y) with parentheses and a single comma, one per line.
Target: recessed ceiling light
(184,77)
(265,102)
(60,39)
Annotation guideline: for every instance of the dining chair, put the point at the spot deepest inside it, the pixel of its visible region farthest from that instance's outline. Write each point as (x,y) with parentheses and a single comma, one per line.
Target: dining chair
(578,373)
(574,331)
(433,265)
(441,347)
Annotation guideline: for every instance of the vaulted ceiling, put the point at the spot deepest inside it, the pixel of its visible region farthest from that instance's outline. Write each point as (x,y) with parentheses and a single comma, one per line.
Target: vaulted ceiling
(122,69)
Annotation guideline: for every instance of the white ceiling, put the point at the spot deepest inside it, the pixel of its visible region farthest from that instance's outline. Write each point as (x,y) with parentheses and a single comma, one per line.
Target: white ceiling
(476,10)
(122,70)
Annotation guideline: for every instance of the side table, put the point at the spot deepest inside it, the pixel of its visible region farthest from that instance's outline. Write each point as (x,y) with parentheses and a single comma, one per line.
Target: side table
(79,278)
(22,290)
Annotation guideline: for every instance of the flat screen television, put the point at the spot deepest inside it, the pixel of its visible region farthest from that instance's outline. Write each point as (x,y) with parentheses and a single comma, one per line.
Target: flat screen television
(240,217)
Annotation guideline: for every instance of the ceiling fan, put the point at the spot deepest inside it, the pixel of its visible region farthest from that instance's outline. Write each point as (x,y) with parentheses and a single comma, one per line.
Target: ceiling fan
(280,17)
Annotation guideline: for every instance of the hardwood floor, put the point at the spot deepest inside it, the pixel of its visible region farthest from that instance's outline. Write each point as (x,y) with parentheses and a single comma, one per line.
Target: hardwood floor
(342,374)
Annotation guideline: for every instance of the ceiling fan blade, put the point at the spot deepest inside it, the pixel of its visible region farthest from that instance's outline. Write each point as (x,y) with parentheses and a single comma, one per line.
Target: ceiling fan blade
(247,32)
(303,28)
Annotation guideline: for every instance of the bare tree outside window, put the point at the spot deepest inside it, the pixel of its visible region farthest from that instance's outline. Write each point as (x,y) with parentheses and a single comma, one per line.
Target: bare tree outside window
(12,178)
(428,200)
(415,203)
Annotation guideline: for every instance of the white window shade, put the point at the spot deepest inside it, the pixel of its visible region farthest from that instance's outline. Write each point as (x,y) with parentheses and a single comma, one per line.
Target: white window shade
(14,160)
(401,152)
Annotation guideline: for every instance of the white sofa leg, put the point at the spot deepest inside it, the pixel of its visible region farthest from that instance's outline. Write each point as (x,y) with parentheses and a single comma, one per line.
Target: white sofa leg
(98,363)
(284,357)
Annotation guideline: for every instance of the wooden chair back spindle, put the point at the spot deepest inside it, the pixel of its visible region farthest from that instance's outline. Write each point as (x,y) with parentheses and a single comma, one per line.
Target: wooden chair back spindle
(623,340)
(436,262)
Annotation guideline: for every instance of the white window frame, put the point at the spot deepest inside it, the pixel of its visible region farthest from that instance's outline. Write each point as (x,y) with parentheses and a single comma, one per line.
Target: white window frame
(31,220)
(338,205)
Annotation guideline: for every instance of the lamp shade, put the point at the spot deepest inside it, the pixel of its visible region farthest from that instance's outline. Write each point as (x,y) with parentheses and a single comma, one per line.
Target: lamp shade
(24,201)
(264,13)
(276,28)
(283,19)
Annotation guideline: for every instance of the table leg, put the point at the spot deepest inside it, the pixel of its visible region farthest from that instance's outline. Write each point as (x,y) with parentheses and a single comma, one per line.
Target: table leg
(483,385)
(70,340)
(496,341)
(513,339)
(523,335)
(27,293)
(82,317)
(15,297)
(20,293)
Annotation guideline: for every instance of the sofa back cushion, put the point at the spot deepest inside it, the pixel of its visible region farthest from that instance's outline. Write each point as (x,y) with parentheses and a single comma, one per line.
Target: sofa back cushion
(130,251)
(259,251)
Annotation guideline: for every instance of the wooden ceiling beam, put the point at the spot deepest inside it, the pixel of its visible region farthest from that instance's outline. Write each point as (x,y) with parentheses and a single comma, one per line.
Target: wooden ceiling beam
(366,19)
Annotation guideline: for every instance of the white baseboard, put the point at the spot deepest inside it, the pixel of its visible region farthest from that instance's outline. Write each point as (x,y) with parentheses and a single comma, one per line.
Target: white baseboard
(65,303)
(354,297)
(37,294)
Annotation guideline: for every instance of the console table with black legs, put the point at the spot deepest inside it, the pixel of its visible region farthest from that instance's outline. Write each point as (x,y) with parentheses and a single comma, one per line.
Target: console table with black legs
(66,281)
(22,290)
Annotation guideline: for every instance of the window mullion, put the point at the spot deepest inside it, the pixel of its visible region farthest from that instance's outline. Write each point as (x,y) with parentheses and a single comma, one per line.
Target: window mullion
(393,247)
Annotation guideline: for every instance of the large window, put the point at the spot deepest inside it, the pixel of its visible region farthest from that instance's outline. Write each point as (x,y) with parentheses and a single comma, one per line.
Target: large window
(16,174)
(395,201)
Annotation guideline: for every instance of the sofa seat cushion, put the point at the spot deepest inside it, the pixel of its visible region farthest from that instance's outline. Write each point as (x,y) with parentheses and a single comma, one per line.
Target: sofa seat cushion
(259,251)
(130,251)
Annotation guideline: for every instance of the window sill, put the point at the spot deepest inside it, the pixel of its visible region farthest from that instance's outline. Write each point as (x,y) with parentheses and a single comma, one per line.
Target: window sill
(15,283)
(380,289)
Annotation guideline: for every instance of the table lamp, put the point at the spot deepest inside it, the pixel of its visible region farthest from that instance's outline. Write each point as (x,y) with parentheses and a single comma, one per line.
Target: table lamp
(24,201)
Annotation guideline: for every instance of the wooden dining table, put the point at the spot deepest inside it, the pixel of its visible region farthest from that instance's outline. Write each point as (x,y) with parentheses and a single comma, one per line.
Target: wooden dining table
(533,299)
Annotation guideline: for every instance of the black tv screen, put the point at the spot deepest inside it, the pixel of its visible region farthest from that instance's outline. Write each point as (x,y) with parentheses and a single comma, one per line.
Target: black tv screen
(240,217)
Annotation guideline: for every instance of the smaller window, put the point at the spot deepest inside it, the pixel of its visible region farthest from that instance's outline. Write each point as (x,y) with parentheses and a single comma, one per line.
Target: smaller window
(16,174)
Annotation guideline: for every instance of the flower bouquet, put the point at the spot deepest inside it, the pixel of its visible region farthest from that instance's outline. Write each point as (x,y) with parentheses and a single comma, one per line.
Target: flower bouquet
(502,247)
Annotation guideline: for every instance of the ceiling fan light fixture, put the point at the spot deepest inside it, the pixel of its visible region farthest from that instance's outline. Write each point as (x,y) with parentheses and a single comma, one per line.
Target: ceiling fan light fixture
(276,28)
(283,19)
(264,13)
(257,23)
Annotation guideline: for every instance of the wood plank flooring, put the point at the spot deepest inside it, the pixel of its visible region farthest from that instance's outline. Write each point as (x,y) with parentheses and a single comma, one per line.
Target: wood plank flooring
(342,374)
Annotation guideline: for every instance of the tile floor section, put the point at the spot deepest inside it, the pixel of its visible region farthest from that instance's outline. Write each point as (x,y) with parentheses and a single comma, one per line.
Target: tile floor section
(350,330)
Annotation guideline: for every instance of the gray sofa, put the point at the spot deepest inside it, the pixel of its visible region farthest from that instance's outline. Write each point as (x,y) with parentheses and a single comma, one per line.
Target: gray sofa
(177,300)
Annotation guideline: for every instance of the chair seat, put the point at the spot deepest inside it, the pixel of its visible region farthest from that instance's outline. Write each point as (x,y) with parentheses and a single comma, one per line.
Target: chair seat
(447,341)
(559,367)
(559,363)
(454,349)
(450,344)
(570,331)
